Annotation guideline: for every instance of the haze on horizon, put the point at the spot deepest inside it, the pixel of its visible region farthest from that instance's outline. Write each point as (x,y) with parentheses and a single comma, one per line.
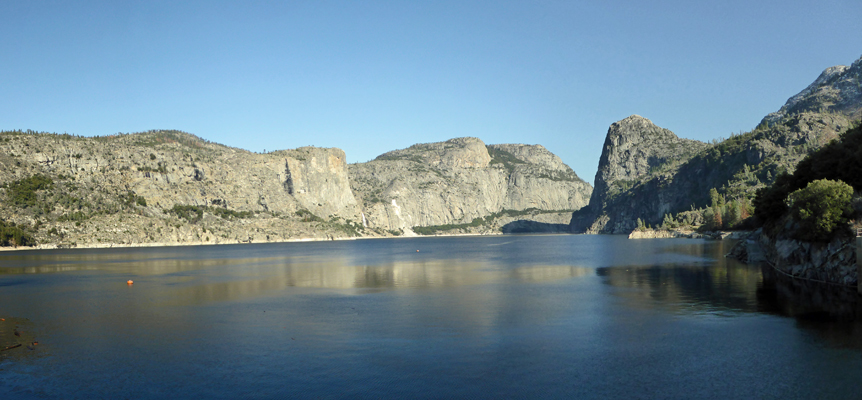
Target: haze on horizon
(370,77)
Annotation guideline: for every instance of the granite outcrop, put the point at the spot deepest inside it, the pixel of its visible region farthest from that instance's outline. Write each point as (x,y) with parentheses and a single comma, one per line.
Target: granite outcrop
(171,187)
(635,149)
(461,180)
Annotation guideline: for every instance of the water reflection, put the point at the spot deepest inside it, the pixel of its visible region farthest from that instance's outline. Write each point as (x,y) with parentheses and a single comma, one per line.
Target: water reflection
(720,285)
(724,287)
(148,267)
(559,316)
(340,275)
(196,275)
(549,273)
(727,287)
(833,312)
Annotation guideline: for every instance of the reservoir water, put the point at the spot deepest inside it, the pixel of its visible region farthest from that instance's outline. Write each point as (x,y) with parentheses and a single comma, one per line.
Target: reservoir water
(557,316)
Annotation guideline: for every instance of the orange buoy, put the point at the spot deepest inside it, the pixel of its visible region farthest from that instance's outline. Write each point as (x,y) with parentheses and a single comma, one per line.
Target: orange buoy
(417,251)
(130,282)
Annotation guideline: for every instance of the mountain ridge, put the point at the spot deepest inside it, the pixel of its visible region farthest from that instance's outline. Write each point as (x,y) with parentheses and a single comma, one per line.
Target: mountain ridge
(735,167)
(171,187)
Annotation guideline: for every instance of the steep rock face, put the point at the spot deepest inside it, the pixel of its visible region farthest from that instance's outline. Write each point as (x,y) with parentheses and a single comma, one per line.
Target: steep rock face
(634,148)
(96,182)
(318,180)
(539,179)
(457,181)
(737,167)
(233,178)
(838,90)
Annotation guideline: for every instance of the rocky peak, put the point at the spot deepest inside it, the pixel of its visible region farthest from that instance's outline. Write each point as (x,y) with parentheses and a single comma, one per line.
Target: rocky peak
(461,180)
(837,89)
(537,155)
(465,152)
(633,147)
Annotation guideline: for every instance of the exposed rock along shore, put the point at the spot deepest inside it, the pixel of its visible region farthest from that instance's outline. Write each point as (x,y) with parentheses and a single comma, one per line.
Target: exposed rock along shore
(685,234)
(834,262)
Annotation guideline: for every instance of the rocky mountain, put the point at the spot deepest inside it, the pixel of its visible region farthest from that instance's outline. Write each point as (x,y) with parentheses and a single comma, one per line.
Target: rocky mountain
(634,149)
(457,183)
(837,90)
(170,187)
(646,172)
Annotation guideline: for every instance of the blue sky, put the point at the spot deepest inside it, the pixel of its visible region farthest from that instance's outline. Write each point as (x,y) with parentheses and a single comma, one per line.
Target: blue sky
(374,76)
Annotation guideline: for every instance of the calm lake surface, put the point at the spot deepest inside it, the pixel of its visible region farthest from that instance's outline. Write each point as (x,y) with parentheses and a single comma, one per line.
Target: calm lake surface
(565,316)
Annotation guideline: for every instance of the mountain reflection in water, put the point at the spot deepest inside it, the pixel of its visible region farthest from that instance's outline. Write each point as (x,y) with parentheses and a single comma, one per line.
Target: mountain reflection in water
(273,276)
(480,317)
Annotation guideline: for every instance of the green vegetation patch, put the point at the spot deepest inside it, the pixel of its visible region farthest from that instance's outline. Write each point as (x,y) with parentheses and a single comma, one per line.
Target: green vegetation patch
(224,213)
(76,216)
(398,157)
(348,227)
(193,214)
(154,138)
(13,235)
(840,160)
(503,158)
(307,216)
(131,199)
(821,208)
(22,193)
(160,168)
(560,176)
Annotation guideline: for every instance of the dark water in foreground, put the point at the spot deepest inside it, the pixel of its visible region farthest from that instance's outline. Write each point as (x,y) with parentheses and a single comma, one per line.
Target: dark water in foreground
(479,317)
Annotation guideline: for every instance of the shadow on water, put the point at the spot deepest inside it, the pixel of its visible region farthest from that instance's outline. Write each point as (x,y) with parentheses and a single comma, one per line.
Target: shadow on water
(527,226)
(807,300)
(560,316)
(833,312)
(692,273)
(727,287)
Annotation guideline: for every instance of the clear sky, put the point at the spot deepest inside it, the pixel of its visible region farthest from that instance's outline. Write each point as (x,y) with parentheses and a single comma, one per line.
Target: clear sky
(374,76)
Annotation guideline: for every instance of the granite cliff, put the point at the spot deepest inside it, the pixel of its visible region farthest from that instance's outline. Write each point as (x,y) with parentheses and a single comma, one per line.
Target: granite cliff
(170,187)
(635,149)
(453,184)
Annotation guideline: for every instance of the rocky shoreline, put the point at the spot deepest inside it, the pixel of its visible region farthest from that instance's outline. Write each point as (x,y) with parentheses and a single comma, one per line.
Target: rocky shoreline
(191,244)
(686,234)
(834,263)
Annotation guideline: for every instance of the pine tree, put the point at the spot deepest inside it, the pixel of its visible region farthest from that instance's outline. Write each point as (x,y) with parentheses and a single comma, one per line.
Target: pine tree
(713,197)
(734,213)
